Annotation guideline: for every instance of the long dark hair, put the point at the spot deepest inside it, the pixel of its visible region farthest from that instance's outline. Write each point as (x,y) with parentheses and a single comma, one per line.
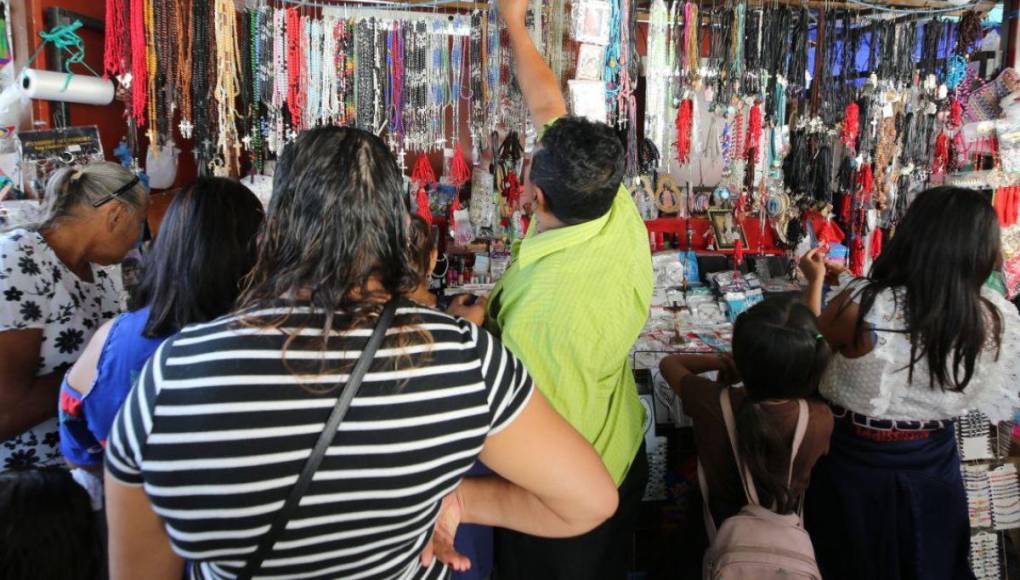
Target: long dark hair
(780,355)
(205,247)
(47,527)
(337,218)
(943,252)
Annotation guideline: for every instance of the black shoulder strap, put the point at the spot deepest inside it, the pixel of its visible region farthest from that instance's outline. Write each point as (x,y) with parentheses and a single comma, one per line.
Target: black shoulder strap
(343,402)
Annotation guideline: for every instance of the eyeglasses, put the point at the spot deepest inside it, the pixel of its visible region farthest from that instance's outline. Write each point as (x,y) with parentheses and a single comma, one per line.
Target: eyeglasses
(116,194)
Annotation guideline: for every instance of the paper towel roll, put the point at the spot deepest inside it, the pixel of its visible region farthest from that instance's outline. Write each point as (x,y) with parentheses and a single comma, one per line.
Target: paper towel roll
(49,86)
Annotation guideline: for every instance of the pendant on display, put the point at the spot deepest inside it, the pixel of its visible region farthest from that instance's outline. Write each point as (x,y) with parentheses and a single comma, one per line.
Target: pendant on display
(721,195)
(186,128)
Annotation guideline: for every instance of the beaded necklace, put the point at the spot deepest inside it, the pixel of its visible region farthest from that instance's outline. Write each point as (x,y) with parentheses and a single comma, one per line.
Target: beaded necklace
(295,67)
(139,63)
(345,60)
(329,99)
(492,55)
(166,73)
(152,71)
(312,44)
(395,89)
(364,58)
(227,88)
(477,92)
(200,84)
(183,12)
(116,51)
(657,87)
(254,142)
(457,92)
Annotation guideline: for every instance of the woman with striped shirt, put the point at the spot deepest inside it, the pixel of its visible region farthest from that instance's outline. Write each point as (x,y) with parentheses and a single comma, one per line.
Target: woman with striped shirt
(214,435)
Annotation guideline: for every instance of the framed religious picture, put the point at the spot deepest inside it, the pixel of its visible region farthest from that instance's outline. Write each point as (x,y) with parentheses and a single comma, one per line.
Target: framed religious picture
(591,21)
(727,229)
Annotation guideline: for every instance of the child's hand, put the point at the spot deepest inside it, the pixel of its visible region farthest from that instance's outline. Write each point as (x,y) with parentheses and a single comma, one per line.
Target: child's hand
(833,272)
(813,265)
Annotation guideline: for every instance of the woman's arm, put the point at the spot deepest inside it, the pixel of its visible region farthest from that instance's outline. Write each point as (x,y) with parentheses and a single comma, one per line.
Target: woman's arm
(544,466)
(838,324)
(25,399)
(139,546)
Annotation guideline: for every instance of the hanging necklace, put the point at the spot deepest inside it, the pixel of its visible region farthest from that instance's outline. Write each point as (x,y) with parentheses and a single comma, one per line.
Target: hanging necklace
(254,142)
(183,13)
(227,88)
(200,85)
(151,69)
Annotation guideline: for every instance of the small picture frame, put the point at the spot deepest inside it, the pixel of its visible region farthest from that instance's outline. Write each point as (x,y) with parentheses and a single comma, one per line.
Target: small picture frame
(727,229)
(590,62)
(591,22)
(588,100)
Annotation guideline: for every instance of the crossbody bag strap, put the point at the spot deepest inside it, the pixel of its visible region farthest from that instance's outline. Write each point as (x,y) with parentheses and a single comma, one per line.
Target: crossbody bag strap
(343,403)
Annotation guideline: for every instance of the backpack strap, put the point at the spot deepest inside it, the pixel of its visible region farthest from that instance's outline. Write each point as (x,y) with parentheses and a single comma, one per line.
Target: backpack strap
(706,512)
(803,414)
(731,431)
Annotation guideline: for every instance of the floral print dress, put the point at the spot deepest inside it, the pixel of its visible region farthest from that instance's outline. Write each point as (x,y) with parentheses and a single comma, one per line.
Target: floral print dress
(37,291)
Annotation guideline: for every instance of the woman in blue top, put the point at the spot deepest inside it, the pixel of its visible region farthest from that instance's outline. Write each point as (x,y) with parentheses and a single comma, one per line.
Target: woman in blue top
(193,273)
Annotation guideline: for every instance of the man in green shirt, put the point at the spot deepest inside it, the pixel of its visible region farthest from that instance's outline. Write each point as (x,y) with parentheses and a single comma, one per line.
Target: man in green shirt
(571,306)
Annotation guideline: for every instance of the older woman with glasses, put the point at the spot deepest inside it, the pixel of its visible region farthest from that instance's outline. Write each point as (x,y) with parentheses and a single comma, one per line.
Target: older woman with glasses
(55,291)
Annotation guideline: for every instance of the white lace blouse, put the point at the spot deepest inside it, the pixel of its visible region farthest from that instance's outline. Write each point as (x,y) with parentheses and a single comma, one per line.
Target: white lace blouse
(877,383)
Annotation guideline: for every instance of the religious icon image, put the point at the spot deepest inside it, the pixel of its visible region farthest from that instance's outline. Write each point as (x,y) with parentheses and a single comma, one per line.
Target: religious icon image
(727,229)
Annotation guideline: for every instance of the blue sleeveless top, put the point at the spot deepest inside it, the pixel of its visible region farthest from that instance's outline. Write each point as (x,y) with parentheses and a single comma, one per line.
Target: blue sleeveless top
(85,421)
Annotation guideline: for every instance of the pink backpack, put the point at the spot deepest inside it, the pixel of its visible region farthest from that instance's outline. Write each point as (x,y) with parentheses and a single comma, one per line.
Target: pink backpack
(757,543)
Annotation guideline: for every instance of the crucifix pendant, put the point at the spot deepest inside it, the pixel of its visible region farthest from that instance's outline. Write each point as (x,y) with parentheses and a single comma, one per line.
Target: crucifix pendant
(186,127)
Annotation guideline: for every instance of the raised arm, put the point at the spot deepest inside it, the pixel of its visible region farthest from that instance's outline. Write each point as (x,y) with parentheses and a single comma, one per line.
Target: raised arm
(539,85)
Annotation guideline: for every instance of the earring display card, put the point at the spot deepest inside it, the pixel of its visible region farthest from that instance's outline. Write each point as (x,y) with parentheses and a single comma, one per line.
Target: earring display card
(1005,494)
(977,488)
(590,62)
(974,433)
(984,556)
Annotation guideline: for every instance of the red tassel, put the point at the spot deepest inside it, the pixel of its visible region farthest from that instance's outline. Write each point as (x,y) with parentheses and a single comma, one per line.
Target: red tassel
(460,172)
(844,211)
(738,253)
(684,123)
(423,172)
(423,204)
(753,132)
(940,159)
(876,243)
(513,189)
(851,126)
(857,257)
(956,113)
(866,180)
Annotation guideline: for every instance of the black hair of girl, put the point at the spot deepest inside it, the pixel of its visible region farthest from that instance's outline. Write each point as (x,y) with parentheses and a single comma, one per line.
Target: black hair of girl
(337,218)
(942,254)
(205,247)
(47,527)
(780,354)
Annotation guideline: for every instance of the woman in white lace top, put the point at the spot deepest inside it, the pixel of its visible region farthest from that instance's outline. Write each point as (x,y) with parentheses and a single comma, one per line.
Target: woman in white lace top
(920,341)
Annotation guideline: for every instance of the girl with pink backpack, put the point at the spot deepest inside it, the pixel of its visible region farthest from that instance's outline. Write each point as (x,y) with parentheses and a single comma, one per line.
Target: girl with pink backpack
(773,427)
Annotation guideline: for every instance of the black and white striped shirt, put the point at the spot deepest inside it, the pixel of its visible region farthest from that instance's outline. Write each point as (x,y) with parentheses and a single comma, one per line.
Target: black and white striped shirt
(219,425)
